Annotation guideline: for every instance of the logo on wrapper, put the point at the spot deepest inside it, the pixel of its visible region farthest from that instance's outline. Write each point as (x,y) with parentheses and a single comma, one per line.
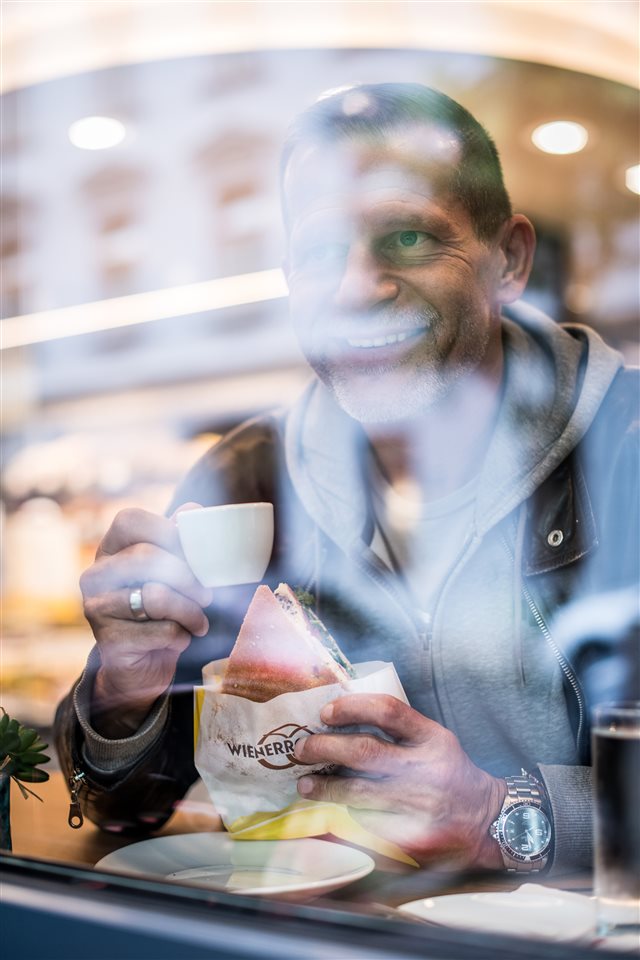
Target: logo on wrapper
(274,750)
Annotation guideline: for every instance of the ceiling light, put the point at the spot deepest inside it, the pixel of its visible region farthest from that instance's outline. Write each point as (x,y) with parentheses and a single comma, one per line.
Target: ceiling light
(560,137)
(632,178)
(96,133)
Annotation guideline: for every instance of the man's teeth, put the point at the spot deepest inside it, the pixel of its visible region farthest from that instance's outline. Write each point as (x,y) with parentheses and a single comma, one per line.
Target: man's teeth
(377,341)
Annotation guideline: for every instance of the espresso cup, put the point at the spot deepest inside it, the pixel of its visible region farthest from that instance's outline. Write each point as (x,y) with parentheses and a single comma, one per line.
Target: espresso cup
(229,544)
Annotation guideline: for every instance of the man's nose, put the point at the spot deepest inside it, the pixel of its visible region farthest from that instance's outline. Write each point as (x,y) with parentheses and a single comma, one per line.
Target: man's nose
(364,282)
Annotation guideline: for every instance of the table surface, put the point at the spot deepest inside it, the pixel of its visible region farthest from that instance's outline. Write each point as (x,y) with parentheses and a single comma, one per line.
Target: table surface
(40,829)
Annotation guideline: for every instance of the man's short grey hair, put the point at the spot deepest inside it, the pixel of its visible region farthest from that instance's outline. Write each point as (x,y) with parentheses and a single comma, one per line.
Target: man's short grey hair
(373,111)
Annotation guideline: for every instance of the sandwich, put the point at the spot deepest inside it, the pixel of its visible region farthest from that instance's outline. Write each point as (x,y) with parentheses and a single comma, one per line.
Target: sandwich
(282,647)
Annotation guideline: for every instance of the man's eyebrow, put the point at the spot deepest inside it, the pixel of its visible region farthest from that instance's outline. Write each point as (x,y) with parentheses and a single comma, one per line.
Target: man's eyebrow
(411,218)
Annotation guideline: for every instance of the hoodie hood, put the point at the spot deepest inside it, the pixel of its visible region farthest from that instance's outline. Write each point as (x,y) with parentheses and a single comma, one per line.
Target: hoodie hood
(555,378)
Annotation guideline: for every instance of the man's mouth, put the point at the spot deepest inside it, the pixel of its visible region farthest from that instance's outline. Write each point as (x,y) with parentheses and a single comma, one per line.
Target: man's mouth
(378,346)
(368,343)
(371,343)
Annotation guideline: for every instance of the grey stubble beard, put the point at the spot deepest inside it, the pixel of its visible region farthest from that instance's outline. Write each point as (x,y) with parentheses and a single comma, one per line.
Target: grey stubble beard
(370,395)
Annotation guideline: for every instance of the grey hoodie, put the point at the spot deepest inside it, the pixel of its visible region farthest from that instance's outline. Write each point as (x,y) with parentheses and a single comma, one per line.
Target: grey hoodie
(477,662)
(480,665)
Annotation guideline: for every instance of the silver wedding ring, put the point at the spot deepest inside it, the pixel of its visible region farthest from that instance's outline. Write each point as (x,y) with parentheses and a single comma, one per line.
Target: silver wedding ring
(137,606)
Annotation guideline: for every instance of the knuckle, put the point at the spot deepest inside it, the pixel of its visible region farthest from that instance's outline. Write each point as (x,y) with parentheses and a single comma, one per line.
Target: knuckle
(175,632)
(87,582)
(390,708)
(356,790)
(180,641)
(368,749)
(329,788)
(124,519)
(156,597)
(143,551)
(448,739)
(92,607)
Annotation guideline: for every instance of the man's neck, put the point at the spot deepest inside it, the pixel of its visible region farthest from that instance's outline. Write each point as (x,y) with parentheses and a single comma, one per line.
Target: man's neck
(439,451)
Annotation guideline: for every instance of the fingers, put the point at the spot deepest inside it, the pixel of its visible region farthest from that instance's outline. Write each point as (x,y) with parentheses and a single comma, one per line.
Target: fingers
(132,526)
(388,713)
(150,646)
(160,603)
(142,563)
(358,751)
(363,752)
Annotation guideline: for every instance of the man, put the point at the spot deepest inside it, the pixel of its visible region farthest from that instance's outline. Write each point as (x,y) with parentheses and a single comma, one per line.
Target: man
(448,482)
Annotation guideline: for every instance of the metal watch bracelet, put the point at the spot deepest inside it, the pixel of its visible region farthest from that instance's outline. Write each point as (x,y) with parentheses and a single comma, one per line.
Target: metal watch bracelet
(523,791)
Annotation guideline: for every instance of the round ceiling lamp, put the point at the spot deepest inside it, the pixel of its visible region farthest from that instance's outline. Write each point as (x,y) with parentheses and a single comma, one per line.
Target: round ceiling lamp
(97,133)
(560,137)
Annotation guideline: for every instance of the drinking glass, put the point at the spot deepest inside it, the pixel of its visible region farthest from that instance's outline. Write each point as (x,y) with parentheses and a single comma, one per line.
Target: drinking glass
(616,778)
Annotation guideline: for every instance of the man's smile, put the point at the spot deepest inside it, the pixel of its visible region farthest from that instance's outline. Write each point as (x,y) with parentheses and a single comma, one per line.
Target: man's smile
(382,340)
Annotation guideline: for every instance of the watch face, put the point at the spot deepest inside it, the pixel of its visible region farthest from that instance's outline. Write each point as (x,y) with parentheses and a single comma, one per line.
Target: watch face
(526,832)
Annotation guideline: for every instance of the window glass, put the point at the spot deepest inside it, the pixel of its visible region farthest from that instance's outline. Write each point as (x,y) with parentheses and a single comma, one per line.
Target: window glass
(145,315)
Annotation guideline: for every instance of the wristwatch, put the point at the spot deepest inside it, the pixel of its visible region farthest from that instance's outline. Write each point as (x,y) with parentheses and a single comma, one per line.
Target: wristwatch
(523,829)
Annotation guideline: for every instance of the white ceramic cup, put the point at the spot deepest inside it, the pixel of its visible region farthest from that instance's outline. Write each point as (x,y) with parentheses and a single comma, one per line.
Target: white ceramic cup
(227,545)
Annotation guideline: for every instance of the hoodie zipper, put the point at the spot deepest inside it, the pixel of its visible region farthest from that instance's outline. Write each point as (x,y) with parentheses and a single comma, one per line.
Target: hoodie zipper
(76,782)
(424,636)
(422,627)
(562,661)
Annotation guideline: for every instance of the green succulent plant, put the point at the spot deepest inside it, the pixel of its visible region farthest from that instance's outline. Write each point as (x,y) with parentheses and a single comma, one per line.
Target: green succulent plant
(21,753)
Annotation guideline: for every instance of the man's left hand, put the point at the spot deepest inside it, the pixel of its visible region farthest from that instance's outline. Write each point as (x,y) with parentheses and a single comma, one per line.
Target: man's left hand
(421,791)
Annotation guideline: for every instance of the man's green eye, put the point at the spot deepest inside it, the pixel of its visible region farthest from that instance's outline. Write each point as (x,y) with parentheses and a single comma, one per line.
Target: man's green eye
(407,244)
(408,238)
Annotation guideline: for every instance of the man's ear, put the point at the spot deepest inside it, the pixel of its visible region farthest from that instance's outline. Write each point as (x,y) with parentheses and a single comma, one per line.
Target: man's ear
(518,245)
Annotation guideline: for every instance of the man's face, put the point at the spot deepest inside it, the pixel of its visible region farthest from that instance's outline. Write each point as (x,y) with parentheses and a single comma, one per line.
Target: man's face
(392,295)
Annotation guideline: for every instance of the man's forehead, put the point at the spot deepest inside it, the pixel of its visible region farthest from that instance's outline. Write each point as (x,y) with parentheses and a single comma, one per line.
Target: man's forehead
(416,159)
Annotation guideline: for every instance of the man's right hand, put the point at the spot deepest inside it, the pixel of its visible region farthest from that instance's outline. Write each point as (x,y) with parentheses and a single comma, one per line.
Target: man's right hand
(138,657)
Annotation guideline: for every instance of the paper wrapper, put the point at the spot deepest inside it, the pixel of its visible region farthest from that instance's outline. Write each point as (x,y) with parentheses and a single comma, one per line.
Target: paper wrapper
(244,754)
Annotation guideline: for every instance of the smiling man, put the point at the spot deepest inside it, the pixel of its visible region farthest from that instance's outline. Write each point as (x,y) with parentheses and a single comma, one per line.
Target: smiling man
(439,488)
(395,288)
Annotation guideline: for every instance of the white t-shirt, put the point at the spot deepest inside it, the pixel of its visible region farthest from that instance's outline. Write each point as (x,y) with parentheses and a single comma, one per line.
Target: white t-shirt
(421,540)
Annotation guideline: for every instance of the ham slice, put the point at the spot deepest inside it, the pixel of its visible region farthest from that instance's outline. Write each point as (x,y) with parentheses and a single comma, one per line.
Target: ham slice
(276,650)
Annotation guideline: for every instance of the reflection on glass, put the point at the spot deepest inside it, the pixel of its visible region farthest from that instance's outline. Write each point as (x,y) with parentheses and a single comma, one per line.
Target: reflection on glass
(437,542)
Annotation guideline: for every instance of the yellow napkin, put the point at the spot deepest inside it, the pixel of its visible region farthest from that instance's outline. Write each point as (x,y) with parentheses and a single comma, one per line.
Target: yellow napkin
(314,818)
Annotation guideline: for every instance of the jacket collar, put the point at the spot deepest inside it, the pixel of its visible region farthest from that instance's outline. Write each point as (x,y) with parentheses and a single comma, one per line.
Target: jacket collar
(561,526)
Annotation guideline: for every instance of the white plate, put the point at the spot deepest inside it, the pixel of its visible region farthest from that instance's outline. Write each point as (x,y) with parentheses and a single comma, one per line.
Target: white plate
(265,867)
(530,911)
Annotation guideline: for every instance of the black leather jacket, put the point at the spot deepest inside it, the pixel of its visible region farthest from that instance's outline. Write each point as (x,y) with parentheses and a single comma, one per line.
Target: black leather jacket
(596,510)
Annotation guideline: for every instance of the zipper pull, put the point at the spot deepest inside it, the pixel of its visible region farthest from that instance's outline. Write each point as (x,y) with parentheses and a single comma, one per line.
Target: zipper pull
(76,783)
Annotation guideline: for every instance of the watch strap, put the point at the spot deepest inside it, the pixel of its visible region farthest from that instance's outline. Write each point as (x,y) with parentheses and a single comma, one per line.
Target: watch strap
(525,787)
